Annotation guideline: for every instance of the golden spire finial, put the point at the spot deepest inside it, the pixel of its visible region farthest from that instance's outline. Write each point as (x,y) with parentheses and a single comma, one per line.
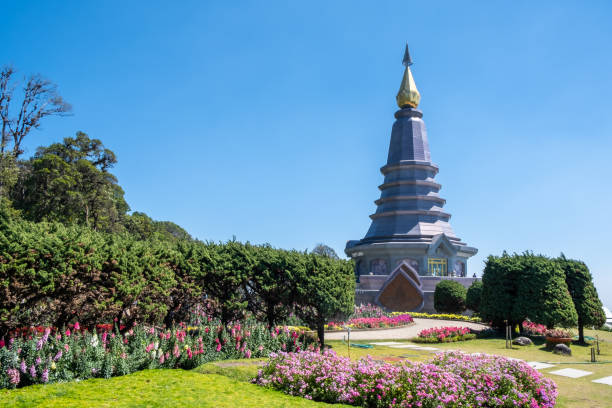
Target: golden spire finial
(408,94)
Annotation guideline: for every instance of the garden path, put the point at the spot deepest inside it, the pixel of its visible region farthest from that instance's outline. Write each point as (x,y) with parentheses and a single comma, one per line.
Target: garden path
(403,332)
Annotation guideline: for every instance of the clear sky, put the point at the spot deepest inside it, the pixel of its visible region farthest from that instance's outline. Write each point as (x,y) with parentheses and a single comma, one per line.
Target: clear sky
(269,120)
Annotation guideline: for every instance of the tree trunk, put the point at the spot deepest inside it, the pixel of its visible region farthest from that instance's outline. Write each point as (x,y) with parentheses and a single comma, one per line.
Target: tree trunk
(321,334)
(270,317)
(580,331)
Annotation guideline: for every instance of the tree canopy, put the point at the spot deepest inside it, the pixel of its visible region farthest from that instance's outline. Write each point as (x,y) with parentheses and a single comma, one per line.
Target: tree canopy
(584,295)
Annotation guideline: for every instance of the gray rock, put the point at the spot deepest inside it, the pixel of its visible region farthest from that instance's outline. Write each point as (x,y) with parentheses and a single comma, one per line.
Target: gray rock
(522,341)
(562,349)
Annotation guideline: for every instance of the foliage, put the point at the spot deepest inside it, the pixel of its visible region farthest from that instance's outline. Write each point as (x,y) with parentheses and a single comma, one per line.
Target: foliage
(499,291)
(273,282)
(584,295)
(473,295)
(142,226)
(520,287)
(64,355)
(450,379)
(326,289)
(324,250)
(69,182)
(52,274)
(449,297)
(445,334)
(372,322)
(543,296)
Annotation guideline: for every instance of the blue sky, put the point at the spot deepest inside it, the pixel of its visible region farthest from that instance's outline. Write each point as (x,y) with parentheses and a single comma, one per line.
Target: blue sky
(269,120)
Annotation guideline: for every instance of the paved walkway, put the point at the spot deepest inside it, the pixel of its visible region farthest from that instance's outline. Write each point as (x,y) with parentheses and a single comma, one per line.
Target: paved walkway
(404,332)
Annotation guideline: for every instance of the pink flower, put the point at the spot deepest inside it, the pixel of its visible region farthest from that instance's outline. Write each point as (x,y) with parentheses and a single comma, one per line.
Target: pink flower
(218,347)
(77,326)
(67,333)
(247,353)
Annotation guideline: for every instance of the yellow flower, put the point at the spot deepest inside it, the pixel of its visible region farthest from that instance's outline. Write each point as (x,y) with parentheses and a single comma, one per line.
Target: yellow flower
(53,366)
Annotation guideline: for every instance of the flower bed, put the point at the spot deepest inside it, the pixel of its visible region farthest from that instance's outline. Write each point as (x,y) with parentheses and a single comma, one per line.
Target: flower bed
(443,316)
(450,379)
(533,329)
(368,310)
(403,319)
(444,335)
(558,336)
(78,354)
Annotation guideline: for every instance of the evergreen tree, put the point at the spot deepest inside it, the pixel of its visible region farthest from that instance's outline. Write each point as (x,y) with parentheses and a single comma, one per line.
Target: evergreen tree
(584,295)
(473,296)
(542,294)
(325,290)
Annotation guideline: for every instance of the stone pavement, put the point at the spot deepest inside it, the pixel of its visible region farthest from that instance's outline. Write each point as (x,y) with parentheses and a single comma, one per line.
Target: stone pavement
(404,332)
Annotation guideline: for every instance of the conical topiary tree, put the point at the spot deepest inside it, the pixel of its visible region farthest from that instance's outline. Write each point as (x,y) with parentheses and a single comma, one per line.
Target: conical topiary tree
(542,294)
(584,295)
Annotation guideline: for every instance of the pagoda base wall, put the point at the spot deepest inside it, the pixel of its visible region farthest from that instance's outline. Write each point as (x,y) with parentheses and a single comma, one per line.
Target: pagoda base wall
(368,289)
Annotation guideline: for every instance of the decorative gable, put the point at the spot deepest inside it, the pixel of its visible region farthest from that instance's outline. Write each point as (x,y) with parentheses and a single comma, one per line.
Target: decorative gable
(441,247)
(402,290)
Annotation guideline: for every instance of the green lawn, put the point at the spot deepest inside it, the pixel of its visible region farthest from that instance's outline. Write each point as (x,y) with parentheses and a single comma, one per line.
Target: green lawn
(225,384)
(153,388)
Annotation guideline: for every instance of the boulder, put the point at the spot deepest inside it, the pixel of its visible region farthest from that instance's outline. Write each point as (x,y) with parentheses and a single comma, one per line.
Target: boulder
(522,341)
(562,349)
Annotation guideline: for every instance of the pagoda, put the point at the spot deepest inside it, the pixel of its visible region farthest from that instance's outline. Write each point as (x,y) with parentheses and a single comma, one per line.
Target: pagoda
(410,245)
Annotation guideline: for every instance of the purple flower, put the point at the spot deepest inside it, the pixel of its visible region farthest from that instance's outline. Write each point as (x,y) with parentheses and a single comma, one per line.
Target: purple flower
(23,367)
(45,375)
(13,375)
(58,355)
(32,371)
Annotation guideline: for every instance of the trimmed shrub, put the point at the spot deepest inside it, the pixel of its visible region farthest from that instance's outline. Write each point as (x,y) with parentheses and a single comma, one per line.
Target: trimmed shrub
(520,287)
(584,295)
(449,297)
(472,298)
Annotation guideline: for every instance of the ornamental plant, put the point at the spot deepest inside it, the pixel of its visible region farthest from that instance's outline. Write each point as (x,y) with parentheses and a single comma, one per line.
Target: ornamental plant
(443,316)
(559,333)
(368,310)
(449,297)
(451,379)
(533,329)
(78,354)
(584,295)
(372,322)
(444,335)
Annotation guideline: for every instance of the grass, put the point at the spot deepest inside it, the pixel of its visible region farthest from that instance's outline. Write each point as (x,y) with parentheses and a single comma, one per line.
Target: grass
(154,388)
(225,384)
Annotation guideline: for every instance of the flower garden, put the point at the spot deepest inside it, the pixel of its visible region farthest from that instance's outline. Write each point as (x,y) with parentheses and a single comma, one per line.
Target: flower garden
(78,354)
(444,335)
(449,379)
(380,322)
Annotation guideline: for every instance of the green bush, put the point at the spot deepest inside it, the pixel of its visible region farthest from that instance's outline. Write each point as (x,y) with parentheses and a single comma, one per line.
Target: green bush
(527,286)
(584,295)
(52,274)
(449,297)
(472,298)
